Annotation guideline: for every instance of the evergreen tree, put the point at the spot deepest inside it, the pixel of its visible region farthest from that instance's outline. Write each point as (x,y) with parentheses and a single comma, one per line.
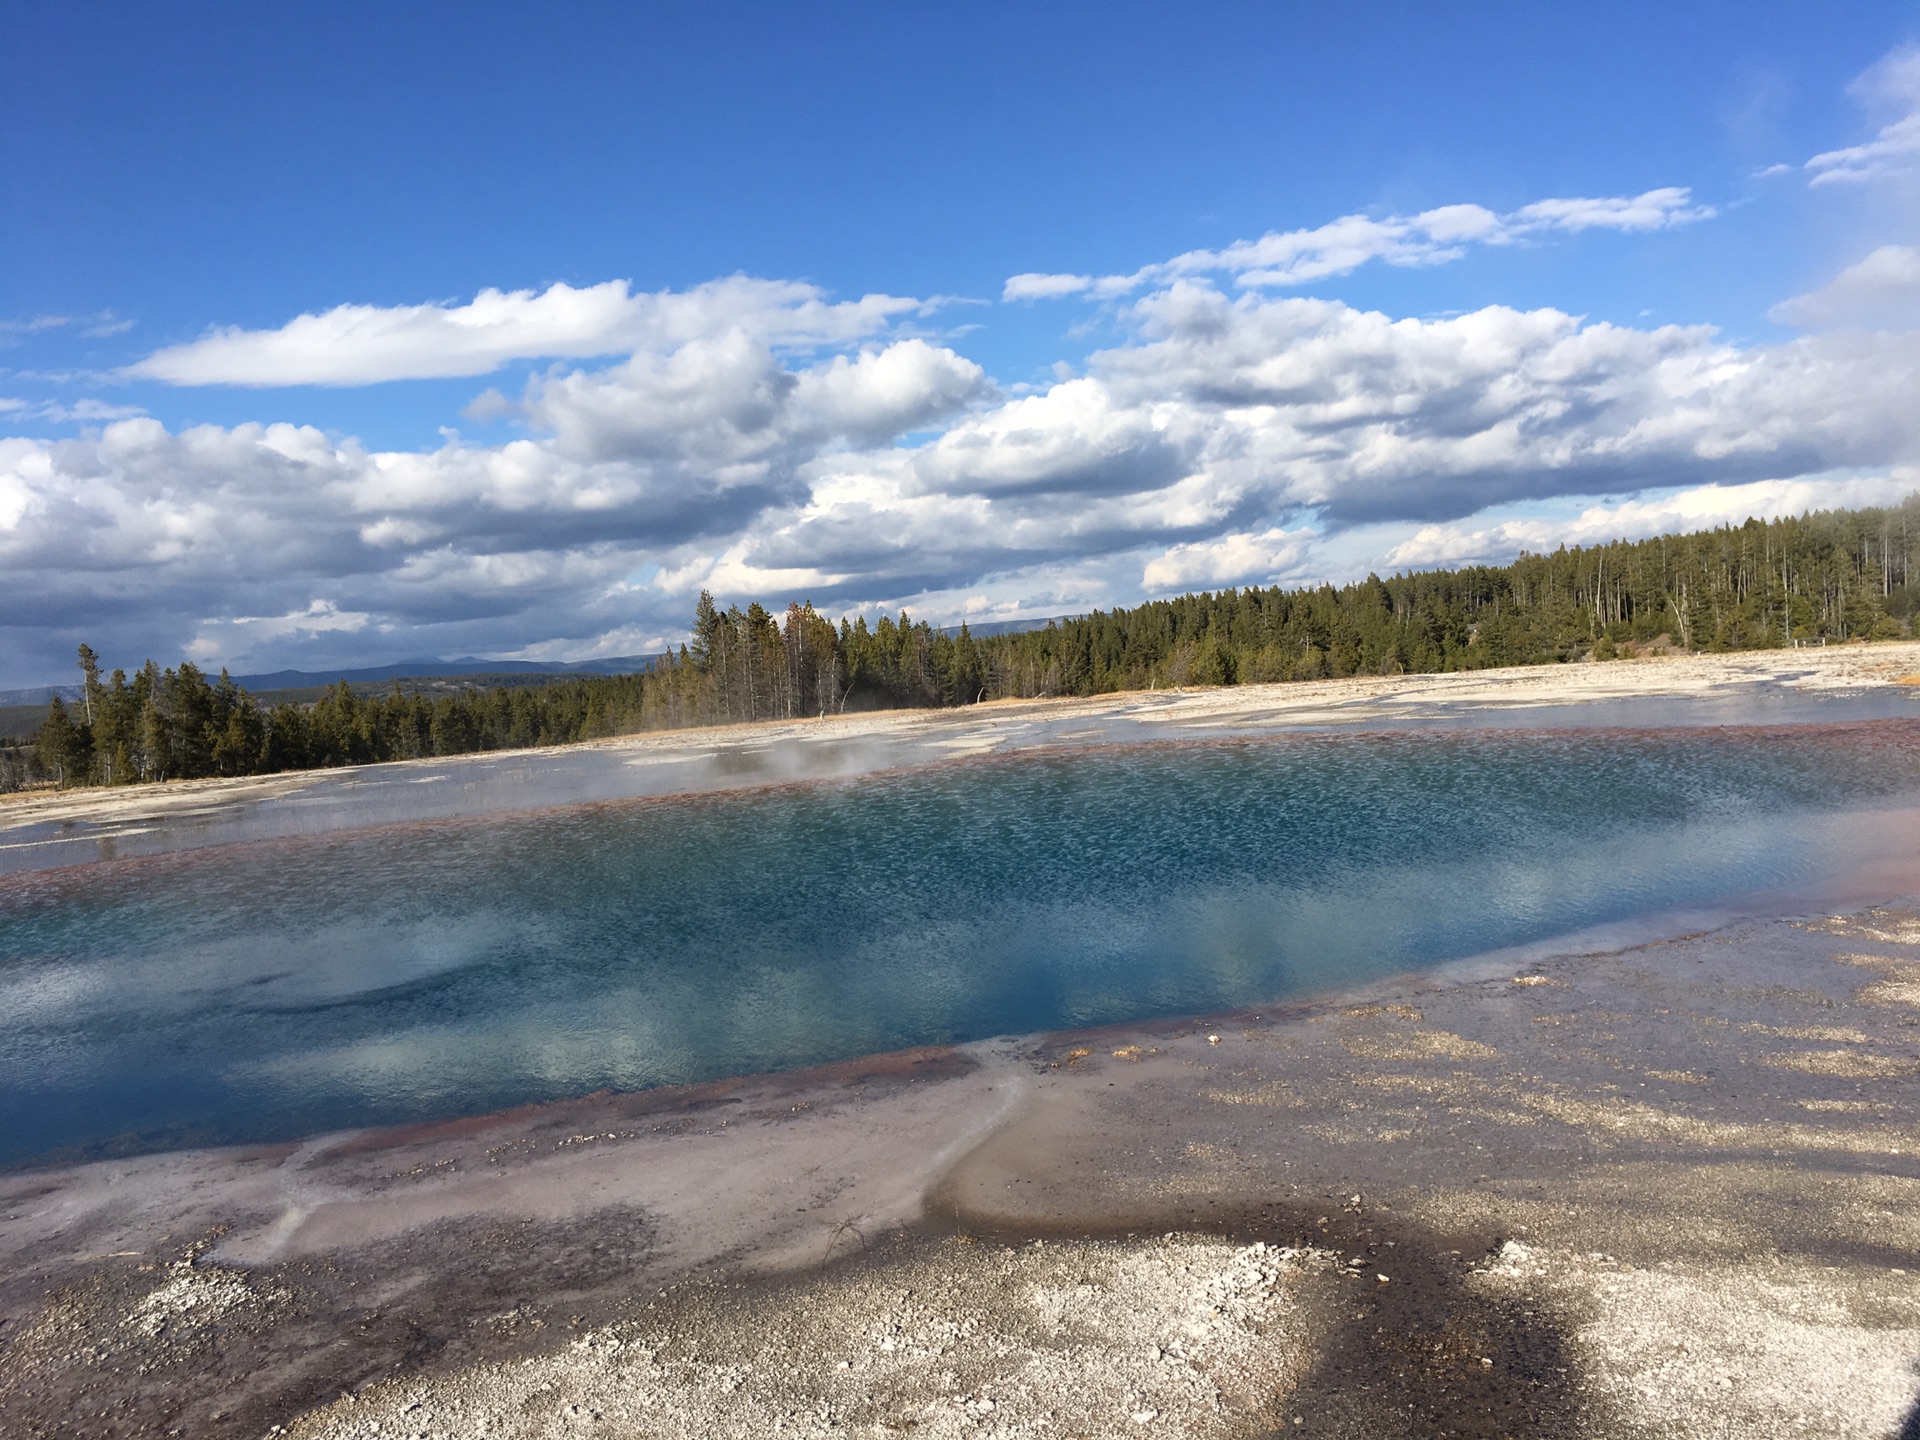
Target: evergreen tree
(89,679)
(62,747)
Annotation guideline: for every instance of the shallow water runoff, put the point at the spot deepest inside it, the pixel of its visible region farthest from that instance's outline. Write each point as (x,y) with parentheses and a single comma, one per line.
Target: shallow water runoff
(284,987)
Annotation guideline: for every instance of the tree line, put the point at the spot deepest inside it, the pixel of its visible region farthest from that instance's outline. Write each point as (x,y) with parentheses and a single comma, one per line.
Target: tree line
(1834,575)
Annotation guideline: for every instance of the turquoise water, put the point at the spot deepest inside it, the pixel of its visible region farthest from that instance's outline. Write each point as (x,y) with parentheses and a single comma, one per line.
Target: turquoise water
(279,988)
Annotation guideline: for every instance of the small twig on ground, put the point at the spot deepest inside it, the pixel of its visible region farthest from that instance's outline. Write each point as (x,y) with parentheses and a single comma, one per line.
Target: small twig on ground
(845,1227)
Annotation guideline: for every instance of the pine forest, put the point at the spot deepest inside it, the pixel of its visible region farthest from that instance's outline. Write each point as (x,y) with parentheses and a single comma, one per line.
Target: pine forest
(1828,577)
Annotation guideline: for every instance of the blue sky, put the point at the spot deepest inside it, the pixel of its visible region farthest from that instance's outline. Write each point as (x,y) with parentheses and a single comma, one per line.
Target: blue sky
(1591,269)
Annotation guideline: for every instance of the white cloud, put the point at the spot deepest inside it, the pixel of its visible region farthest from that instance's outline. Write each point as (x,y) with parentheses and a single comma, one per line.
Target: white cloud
(1488,540)
(887,392)
(1653,210)
(226,541)
(82,411)
(1183,456)
(366,344)
(1879,292)
(726,404)
(1036,286)
(1071,438)
(1312,403)
(1262,558)
(98,325)
(318,617)
(1891,86)
(1432,237)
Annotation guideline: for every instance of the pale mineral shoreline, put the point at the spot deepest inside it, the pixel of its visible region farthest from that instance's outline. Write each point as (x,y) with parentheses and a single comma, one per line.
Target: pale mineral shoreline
(1663,1181)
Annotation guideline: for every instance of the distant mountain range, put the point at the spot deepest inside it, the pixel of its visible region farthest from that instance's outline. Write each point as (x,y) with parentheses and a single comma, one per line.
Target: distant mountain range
(39,694)
(471,666)
(471,669)
(1007,627)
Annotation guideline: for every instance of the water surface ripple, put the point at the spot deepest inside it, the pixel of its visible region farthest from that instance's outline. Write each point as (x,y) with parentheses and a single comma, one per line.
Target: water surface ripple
(264,991)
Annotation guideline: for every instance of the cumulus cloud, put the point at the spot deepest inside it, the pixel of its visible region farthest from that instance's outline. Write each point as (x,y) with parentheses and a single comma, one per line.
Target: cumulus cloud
(1491,541)
(879,394)
(1890,87)
(280,536)
(278,541)
(366,344)
(1074,438)
(1880,292)
(726,405)
(1314,403)
(1432,237)
(1188,455)
(793,451)
(1262,558)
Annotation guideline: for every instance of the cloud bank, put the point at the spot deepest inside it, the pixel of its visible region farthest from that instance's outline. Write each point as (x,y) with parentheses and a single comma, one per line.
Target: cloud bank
(367,344)
(1227,439)
(1432,237)
(1892,87)
(1698,508)
(1880,292)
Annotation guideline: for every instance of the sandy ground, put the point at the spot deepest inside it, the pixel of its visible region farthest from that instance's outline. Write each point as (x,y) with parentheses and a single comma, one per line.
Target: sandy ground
(42,829)
(1665,1190)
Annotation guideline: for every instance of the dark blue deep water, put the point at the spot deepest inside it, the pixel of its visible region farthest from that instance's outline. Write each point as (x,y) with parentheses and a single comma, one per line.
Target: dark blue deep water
(268,990)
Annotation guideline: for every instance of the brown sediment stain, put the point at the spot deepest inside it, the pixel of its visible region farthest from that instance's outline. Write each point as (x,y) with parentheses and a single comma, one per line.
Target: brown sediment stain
(1417,1045)
(1277,1093)
(266,1154)
(1506,1117)
(1424,1084)
(1398,1012)
(916,1065)
(1885,924)
(1831,1034)
(1634,1120)
(1901,994)
(1847,1064)
(1898,989)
